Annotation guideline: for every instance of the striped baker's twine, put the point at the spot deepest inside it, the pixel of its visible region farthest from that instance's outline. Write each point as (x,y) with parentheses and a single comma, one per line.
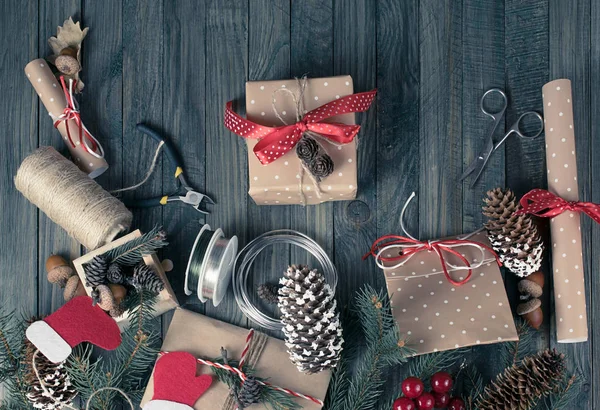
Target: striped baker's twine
(243,375)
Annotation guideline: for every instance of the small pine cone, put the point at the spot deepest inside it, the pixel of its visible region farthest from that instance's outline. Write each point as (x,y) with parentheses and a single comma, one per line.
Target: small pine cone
(307,149)
(56,381)
(249,393)
(115,273)
(321,167)
(268,293)
(144,277)
(95,271)
(514,238)
(312,328)
(520,386)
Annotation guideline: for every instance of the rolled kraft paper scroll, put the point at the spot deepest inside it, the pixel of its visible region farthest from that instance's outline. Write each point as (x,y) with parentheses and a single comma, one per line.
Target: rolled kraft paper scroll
(49,89)
(71,198)
(567,256)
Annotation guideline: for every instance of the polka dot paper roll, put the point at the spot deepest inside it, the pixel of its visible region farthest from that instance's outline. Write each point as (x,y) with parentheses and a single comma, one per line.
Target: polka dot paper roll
(281,182)
(49,89)
(436,315)
(567,257)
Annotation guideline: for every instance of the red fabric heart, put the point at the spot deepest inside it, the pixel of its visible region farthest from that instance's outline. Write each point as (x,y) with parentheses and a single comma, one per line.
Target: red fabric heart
(175,379)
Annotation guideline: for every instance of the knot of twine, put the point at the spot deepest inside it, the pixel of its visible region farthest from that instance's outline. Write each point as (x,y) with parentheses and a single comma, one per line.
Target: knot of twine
(255,344)
(63,405)
(71,112)
(300,112)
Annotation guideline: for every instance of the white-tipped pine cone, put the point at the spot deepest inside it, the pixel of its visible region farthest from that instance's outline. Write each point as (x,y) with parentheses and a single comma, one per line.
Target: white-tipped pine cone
(311,324)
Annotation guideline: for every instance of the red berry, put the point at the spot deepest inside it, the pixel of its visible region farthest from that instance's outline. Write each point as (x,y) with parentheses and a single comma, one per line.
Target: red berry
(404,403)
(456,404)
(425,401)
(441,382)
(441,400)
(412,387)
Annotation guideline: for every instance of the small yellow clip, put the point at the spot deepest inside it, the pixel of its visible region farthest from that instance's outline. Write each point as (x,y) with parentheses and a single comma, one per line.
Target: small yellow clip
(164,199)
(178,172)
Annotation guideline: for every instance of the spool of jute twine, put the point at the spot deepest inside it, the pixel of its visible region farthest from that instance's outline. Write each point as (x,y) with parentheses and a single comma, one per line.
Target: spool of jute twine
(71,199)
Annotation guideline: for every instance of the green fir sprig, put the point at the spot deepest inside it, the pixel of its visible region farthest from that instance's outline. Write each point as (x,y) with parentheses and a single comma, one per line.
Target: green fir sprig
(425,365)
(513,352)
(359,388)
(564,397)
(131,253)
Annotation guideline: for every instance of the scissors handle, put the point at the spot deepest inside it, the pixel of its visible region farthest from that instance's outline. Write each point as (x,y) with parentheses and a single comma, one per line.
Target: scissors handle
(495,115)
(517,128)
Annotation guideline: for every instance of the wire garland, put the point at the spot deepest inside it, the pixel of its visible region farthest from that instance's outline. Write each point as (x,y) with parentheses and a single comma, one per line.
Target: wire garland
(246,257)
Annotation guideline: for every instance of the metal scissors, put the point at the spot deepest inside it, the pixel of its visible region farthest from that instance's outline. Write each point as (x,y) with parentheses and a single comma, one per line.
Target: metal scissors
(185,193)
(483,157)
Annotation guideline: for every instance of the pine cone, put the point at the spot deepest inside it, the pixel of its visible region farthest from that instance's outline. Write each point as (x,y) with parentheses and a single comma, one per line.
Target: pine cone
(95,271)
(115,273)
(321,167)
(307,149)
(268,293)
(56,380)
(514,238)
(520,386)
(249,393)
(144,277)
(312,329)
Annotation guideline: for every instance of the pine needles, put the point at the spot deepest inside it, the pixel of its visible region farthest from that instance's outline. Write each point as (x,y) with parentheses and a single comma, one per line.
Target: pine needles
(130,253)
(360,388)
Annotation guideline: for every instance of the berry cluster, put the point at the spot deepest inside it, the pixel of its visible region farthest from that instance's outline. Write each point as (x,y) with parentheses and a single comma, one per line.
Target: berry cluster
(416,398)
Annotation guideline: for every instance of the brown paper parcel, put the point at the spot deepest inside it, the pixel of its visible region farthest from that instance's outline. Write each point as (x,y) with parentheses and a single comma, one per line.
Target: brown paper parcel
(166,298)
(203,337)
(436,315)
(49,89)
(279,183)
(567,256)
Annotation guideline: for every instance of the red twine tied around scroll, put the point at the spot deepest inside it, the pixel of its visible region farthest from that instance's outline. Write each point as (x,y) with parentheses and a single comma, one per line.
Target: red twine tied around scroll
(243,376)
(542,203)
(277,141)
(71,112)
(410,247)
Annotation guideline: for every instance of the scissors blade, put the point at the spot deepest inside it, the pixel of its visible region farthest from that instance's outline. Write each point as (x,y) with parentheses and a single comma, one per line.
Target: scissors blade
(479,162)
(484,158)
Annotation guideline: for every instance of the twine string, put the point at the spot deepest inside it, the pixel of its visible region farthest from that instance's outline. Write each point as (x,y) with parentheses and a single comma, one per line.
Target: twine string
(148,173)
(64,405)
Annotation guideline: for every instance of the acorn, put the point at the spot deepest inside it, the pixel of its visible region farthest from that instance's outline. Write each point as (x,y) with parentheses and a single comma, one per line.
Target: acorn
(119,292)
(529,288)
(67,62)
(537,277)
(104,298)
(58,270)
(116,311)
(74,287)
(531,311)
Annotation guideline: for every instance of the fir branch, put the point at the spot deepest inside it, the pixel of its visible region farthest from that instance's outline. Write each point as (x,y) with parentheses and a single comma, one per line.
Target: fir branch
(130,253)
(424,366)
(566,394)
(473,386)
(514,352)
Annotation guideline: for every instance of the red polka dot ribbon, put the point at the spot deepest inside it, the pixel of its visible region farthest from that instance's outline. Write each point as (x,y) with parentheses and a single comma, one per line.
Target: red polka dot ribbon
(540,202)
(410,247)
(277,141)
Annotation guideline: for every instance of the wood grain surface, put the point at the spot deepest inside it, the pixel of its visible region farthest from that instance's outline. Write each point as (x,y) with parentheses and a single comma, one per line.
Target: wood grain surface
(174,65)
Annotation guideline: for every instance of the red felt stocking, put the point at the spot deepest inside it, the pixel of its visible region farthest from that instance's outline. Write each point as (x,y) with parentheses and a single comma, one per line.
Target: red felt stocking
(75,322)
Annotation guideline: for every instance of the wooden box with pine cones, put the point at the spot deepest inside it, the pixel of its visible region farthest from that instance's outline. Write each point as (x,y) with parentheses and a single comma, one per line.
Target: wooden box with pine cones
(101,275)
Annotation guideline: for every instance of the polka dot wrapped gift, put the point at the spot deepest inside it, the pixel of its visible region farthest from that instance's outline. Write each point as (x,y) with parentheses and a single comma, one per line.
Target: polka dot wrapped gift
(273,131)
(446,294)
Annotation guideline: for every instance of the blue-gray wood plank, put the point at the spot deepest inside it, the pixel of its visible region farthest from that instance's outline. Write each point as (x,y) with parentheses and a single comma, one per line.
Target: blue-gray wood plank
(175,64)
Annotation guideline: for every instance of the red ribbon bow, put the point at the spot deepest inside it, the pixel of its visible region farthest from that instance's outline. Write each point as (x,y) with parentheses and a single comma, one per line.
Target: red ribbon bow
(72,113)
(440,247)
(277,141)
(540,202)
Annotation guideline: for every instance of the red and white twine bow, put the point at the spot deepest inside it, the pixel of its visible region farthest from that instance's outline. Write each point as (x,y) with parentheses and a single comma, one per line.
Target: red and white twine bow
(71,112)
(277,141)
(243,376)
(540,202)
(409,247)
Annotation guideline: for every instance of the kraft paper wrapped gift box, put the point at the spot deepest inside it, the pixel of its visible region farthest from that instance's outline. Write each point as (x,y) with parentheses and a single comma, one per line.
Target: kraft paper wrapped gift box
(437,315)
(166,298)
(278,183)
(203,337)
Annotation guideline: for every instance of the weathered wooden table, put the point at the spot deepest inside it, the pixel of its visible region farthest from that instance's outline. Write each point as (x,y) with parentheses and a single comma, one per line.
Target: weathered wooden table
(174,64)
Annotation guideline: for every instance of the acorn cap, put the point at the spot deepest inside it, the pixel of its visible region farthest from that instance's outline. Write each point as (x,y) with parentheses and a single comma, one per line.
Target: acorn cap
(116,311)
(106,300)
(73,288)
(528,306)
(528,287)
(67,64)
